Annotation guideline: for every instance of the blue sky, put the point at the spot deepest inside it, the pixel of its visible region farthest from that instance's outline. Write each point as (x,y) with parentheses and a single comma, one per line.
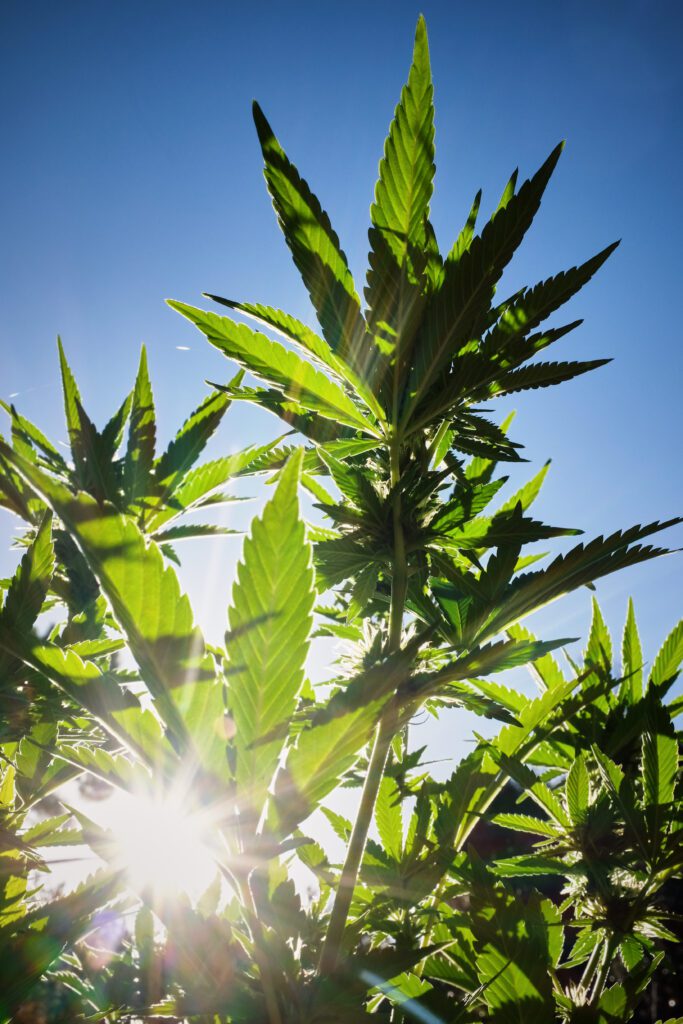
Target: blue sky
(131,173)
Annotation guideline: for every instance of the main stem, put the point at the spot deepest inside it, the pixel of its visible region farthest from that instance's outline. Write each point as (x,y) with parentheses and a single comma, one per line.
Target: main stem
(386,729)
(354,853)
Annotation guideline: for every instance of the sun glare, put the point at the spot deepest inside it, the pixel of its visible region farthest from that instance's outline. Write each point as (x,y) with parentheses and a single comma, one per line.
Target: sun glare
(160,846)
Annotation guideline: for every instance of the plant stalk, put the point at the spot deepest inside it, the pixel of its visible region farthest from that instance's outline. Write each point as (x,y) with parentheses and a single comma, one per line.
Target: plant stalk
(386,730)
(356,847)
(399,579)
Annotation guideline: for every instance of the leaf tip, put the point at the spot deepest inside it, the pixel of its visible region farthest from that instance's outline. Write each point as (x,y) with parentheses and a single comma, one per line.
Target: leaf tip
(263,129)
(421,42)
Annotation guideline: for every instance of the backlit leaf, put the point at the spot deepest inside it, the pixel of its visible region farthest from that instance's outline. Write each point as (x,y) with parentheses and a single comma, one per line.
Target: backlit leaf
(269,361)
(153,613)
(141,435)
(631,659)
(668,661)
(270,623)
(314,246)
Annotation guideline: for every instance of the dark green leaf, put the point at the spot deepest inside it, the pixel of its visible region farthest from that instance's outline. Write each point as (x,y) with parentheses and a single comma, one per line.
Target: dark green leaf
(314,246)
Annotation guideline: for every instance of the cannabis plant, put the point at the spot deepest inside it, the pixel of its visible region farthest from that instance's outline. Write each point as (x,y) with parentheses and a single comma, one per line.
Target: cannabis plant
(425,575)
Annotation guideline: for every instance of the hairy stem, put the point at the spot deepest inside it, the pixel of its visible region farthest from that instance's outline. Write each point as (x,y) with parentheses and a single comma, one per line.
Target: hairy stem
(386,730)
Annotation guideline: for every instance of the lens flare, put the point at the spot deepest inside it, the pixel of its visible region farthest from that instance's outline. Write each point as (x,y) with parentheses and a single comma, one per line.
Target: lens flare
(159,844)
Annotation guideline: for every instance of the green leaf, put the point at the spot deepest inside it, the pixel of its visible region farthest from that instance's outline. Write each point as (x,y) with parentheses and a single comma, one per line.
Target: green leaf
(468,284)
(508,191)
(363,591)
(598,652)
(495,657)
(534,786)
(478,779)
(389,817)
(314,246)
(527,823)
(270,623)
(631,659)
(97,692)
(541,375)
(660,761)
(668,661)
(553,918)
(513,961)
(190,441)
(96,471)
(154,615)
(527,494)
(532,865)
(316,764)
(464,239)
(29,586)
(578,790)
(613,1006)
(341,826)
(177,533)
(199,485)
(545,671)
(28,953)
(21,427)
(26,595)
(399,235)
(112,435)
(122,771)
(535,304)
(623,794)
(72,404)
(93,462)
(582,565)
(43,832)
(465,504)
(312,425)
(298,333)
(270,361)
(139,457)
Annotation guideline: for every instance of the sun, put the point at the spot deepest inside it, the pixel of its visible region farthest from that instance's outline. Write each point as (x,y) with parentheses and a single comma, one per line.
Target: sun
(160,845)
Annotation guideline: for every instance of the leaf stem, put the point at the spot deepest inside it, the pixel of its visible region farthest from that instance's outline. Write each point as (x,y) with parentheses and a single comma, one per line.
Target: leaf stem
(591,967)
(603,972)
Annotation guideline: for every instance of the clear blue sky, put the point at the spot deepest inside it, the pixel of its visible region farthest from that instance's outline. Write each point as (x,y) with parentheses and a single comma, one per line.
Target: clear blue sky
(131,173)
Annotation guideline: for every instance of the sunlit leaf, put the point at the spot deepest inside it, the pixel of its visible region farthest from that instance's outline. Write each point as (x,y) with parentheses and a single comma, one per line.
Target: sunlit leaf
(153,613)
(270,623)
(189,442)
(389,817)
(268,360)
(668,661)
(141,435)
(631,658)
